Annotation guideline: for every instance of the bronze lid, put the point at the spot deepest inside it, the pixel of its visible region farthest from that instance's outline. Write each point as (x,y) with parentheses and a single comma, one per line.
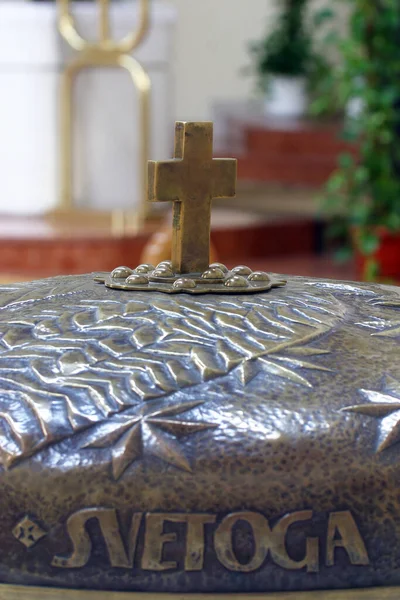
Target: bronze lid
(199,443)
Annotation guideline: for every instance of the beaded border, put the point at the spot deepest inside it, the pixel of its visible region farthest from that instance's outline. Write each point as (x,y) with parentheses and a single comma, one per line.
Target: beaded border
(217,279)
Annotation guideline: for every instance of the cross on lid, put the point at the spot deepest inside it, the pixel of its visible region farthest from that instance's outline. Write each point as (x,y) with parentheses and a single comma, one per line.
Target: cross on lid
(191,181)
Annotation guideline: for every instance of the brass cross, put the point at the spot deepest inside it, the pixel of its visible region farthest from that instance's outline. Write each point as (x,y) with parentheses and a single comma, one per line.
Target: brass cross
(191,181)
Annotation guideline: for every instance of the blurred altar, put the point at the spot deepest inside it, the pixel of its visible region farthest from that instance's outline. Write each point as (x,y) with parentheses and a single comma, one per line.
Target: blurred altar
(72,169)
(106,127)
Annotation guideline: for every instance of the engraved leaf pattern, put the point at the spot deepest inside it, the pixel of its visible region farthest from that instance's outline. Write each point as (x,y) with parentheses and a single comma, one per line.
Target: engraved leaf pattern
(75,358)
(387,326)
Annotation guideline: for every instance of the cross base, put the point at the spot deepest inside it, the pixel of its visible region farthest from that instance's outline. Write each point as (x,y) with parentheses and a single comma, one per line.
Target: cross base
(217,279)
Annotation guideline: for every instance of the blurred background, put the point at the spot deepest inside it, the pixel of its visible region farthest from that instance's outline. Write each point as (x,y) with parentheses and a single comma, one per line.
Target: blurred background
(305,94)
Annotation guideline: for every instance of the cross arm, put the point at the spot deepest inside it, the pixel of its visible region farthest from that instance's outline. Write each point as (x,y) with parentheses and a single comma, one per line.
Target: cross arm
(165,181)
(224,175)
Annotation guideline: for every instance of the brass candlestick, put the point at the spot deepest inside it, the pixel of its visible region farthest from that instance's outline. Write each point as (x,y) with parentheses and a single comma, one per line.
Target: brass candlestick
(105,52)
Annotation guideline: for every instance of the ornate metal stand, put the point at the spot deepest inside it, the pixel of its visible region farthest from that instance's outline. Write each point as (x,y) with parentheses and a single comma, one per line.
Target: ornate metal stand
(106,52)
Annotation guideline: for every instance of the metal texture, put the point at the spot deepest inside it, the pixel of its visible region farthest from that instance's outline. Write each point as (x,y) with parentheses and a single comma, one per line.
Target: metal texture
(29,593)
(191,181)
(104,53)
(216,279)
(213,444)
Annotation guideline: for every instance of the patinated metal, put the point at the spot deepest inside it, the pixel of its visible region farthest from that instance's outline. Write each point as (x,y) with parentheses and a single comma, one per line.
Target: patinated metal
(213,444)
(17,593)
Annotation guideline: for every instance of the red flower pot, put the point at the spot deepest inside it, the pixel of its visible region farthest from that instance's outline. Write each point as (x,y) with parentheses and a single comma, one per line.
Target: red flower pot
(387,257)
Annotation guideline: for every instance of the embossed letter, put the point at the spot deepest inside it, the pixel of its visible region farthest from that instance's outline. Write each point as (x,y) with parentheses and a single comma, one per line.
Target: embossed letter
(82,545)
(224,542)
(194,557)
(343,524)
(154,541)
(279,543)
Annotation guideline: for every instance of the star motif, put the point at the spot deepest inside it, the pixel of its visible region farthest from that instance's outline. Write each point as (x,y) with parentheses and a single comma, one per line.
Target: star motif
(149,430)
(385,407)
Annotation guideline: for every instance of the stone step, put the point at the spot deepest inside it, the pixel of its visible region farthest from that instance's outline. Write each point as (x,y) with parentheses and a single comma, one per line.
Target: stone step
(305,138)
(35,248)
(294,169)
(287,151)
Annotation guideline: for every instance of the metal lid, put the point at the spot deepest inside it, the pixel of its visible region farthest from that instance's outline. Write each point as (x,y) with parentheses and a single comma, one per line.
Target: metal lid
(212,444)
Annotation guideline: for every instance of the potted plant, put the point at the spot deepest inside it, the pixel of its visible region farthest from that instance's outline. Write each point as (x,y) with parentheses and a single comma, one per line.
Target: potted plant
(363,195)
(286,63)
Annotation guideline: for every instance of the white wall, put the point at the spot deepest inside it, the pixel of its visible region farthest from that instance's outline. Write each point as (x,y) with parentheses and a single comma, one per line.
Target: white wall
(211,49)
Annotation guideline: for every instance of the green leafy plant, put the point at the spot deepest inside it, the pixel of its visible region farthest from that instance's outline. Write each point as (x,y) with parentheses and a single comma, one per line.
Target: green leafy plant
(289,50)
(363,195)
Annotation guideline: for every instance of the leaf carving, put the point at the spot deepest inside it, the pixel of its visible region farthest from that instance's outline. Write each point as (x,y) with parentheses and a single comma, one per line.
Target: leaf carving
(95,357)
(282,371)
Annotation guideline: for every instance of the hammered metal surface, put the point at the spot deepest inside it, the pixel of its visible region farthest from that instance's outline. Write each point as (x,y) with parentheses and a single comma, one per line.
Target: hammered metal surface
(28,593)
(274,404)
